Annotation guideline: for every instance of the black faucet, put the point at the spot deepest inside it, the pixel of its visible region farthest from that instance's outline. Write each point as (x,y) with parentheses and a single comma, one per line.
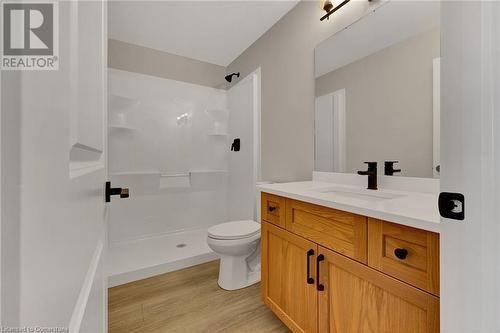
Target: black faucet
(372,175)
(389,168)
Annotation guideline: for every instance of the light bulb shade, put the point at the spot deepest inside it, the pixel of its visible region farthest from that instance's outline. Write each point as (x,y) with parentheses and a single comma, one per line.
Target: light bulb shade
(326,5)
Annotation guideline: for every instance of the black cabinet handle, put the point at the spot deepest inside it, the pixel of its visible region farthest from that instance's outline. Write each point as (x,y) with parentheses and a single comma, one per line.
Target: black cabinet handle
(271,208)
(401,253)
(310,253)
(319,259)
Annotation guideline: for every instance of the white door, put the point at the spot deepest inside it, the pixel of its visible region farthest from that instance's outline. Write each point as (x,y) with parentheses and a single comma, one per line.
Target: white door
(330,132)
(470,164)
(53,172)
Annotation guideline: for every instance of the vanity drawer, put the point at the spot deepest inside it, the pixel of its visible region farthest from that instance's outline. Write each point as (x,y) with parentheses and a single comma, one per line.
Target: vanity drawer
(273,209)
(408,254)
(343,232)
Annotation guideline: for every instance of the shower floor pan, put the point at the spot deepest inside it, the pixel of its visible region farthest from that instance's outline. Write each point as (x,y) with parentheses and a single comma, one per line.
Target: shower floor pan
(140,259)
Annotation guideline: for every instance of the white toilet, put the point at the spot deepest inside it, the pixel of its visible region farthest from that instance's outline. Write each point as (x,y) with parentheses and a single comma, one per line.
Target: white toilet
(238,245)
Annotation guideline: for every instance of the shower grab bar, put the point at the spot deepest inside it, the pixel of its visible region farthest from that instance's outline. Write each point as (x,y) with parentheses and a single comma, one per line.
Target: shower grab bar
(174,175)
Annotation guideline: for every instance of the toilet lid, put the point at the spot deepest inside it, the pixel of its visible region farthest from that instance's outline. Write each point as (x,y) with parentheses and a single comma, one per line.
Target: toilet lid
(234,230)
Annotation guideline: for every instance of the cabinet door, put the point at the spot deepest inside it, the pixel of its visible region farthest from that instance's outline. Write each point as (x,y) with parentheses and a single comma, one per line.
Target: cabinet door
(286,289)
(357,298)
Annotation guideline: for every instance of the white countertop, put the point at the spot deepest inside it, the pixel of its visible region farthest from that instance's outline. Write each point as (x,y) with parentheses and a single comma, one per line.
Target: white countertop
(414,209)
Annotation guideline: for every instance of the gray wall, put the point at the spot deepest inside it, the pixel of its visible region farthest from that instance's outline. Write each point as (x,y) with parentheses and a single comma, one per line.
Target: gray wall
(139,59)
(285,54)
(389,104)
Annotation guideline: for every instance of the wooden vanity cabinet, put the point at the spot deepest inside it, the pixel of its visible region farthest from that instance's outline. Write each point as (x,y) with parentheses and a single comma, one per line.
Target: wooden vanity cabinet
(327,289)
(357,298)
(343,232)
(419,265)
(285,286)
(273,209)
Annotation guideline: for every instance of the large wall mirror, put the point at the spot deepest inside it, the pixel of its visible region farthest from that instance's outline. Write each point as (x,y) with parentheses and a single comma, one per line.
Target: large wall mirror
(377,92)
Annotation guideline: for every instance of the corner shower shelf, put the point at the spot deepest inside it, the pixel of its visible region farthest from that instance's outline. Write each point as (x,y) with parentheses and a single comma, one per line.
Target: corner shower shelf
(121,127)
(135,173)
(121,103)
(218,134)
(156,172)
(209,171)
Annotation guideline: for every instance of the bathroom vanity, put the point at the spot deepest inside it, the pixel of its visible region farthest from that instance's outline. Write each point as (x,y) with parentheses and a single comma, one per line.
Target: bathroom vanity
(331,263)
(347,253)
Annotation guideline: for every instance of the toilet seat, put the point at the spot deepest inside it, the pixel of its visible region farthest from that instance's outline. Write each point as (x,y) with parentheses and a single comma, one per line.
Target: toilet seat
(234,230)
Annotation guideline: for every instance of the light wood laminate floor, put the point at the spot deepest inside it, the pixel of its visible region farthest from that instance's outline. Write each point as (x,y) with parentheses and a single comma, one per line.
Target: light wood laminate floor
(188,301)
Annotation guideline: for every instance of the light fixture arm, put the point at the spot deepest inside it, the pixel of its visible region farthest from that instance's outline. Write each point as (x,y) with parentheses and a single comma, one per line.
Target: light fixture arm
(327,15)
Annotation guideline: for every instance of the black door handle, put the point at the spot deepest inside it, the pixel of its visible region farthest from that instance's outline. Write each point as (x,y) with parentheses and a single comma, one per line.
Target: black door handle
(319,259)
(310,253)
(123,192)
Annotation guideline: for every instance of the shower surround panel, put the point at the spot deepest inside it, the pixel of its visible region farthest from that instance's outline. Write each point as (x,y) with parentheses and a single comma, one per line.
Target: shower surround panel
(160,147)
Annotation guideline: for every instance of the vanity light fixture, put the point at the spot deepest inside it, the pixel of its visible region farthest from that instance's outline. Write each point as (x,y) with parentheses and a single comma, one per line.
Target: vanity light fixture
(328,6)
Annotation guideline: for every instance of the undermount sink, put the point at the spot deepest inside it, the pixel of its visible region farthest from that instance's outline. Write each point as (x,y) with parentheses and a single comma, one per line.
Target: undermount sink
(358,193)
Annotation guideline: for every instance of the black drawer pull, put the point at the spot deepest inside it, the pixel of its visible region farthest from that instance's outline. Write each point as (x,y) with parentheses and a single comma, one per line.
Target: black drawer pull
(319,286)
(271,209)
(310,253)
(401,253)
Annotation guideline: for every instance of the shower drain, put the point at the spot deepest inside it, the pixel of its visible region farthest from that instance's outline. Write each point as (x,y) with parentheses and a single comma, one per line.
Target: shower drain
(181,245)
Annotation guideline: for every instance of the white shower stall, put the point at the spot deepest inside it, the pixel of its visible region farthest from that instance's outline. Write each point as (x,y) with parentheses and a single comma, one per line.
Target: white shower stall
(170,144)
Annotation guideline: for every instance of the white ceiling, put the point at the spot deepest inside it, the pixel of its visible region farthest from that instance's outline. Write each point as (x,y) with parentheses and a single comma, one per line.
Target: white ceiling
(391,23)
(212,31)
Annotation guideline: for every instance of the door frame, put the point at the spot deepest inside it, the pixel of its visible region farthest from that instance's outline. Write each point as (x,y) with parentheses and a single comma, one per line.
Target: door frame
(257,140)
(1,196)
(436,115)
(470,159)
(256,76)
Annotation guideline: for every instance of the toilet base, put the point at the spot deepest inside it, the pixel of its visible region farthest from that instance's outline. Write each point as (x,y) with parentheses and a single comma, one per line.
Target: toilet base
(234,273)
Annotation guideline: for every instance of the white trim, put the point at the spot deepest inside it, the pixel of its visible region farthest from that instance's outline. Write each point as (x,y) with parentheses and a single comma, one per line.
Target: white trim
(257,122)
(1,192)
(81,304)
(436,115)
(255,76)
(104,159)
